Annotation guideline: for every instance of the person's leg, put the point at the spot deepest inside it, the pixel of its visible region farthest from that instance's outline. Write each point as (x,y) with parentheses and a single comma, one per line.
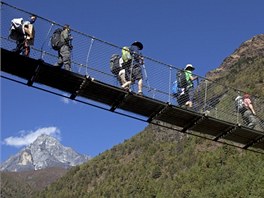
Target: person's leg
(140,86)
(137,75)
(66,59)
(189,103)
(59,61)
(245,117)
(183,99)
(252,121)
(26,48)
(19,46)
(122,76)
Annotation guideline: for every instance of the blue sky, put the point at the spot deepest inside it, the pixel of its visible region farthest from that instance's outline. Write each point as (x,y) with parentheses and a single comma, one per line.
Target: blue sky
(175,32)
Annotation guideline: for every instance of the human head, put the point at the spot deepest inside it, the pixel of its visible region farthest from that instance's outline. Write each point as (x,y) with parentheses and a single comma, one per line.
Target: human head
(33,18)
(246,95)
(66,26)
(138,44)
(189,67)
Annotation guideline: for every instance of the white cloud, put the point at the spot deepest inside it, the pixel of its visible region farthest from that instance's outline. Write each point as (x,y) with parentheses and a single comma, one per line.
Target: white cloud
(27,137)
(66,100)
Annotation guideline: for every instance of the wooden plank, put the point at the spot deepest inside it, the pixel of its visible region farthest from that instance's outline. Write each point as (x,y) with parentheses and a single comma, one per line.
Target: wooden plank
(242,135)
(212,126)
(177,116)
(15,64)
(59,78)
(101,92)
(144,106)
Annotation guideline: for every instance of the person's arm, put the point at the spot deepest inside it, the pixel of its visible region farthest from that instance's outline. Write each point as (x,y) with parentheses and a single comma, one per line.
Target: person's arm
(250,106)
(193,78)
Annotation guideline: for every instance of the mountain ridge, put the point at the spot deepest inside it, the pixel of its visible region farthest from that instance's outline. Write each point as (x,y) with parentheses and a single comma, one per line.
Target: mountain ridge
(44,152)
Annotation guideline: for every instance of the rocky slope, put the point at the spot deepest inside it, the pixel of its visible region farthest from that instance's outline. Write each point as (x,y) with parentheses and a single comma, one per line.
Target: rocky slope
(44,152)
(252,48)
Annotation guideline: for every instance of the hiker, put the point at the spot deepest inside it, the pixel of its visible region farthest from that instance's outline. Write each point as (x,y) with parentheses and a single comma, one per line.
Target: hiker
(23,33)
(64,52)
(133,61)
(249,114)
(185,85)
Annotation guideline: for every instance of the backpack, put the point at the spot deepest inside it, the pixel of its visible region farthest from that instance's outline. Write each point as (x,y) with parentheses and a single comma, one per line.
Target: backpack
(239,104)
(181,79)
(114,64)
(55,40)
(175,90)
(126,56)
(16,30)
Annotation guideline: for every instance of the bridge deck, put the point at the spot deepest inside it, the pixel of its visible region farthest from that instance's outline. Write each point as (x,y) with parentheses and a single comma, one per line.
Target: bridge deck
(37,71)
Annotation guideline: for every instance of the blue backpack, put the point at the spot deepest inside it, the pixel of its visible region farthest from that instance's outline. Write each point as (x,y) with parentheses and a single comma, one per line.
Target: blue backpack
(176,90)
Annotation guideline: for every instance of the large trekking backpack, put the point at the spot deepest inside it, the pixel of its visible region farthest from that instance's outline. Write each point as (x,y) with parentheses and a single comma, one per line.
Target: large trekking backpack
(175,90)
(239,104)
(16,31)
(114,64)
(55,40)
(181,79)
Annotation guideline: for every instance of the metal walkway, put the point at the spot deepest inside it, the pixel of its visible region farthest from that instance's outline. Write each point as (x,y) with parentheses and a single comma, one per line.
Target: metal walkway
(82,86)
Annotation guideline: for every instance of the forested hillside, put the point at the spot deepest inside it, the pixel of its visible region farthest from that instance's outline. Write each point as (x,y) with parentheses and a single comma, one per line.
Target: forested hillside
(162,163)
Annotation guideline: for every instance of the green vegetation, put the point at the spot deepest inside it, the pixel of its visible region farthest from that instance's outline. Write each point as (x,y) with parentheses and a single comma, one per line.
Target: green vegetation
(24,184)
(247,75)
(12,187)
(155,163)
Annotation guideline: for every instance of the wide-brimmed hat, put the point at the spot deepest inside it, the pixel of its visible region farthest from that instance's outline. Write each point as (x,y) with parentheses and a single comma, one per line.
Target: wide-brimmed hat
(138,44)
(189,67)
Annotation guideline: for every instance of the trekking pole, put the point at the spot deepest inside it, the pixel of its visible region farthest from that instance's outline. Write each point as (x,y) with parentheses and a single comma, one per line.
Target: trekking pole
(170,86)
(88,55)
(205,95)
(198,93)
(131,68)
(145,71)
(42,46)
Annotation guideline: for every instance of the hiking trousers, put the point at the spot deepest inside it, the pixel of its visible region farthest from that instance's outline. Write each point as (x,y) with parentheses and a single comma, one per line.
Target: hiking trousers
(249,119)
(64,55)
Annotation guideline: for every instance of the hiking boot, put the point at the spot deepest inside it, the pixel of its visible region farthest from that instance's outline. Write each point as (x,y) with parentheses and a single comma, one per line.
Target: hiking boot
(251,125)
(140,93)
(126,88)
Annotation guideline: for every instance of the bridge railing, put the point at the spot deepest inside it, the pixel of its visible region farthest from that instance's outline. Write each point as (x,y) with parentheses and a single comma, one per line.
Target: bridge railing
(91,56)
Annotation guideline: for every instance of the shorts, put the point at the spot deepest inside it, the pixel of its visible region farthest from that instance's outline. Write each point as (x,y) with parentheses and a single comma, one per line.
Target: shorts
(136,73)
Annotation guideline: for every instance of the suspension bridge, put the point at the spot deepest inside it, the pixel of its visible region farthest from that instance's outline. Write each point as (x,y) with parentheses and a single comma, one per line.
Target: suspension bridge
(213,115)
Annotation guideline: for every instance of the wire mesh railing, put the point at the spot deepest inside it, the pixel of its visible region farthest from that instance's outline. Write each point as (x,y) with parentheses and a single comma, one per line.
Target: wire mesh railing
(91,56)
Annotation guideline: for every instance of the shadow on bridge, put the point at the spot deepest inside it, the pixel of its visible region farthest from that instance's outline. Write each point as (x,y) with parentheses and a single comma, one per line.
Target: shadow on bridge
(37,71)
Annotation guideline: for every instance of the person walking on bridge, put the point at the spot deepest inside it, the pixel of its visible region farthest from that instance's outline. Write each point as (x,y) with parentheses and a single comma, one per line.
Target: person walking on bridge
(23,32)
(249,114)
(189,87)
(132,63)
